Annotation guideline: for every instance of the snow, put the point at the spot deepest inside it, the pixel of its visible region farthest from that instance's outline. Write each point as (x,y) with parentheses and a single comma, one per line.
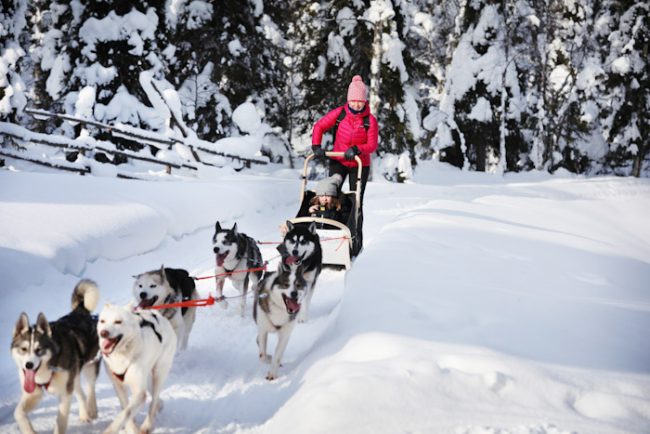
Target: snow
(113,27)
(480,304)
(235,47)
(336,50)
(84,104)
(199,12)
(246,118)
(482,111)
(54,83)
(621,65)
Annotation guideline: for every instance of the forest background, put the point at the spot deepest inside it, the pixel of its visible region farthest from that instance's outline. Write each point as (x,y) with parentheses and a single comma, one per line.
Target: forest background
(497,86)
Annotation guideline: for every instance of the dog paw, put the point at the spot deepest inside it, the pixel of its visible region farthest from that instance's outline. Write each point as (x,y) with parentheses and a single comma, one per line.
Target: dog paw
(131,427)
(270,376)
(92,412)
(146,427)
(85,417)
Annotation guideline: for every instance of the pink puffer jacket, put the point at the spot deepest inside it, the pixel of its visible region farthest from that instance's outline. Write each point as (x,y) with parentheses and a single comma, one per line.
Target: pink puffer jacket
(351,132)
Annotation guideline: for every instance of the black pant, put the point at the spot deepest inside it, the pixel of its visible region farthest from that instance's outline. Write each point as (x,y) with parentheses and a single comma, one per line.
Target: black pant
(337,167)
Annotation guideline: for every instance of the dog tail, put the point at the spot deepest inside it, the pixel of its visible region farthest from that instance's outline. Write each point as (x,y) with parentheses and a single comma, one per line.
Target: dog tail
(85,294)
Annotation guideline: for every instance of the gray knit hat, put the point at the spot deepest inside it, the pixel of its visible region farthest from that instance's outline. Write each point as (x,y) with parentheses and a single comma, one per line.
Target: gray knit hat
(329,186)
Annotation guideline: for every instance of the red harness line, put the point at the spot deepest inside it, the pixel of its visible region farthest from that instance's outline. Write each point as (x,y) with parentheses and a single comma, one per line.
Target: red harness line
(211,300)
(187,303)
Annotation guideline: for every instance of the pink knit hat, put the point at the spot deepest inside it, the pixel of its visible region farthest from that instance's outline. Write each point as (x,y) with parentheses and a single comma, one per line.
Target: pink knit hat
(357,90)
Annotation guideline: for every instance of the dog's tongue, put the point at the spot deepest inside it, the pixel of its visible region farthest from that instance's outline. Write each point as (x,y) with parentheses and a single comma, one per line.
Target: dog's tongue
(30,380)
(107,344)
(220,259)
(291,260)
(292,305)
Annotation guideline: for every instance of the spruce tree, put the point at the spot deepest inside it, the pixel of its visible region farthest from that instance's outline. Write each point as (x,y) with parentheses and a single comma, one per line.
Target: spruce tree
(12,85)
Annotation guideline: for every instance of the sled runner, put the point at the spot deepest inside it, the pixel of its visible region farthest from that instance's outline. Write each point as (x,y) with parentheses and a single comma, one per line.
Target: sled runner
(340,241)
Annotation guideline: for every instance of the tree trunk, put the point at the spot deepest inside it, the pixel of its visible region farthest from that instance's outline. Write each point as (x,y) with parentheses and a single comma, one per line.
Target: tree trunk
(375,66)
(638,160)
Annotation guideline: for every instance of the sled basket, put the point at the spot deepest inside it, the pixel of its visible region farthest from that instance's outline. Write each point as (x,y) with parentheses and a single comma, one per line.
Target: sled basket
(340,241)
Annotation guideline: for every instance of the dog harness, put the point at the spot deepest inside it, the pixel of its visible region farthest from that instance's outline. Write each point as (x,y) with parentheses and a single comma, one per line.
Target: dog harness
(145,323)
(120,376)
(45,386)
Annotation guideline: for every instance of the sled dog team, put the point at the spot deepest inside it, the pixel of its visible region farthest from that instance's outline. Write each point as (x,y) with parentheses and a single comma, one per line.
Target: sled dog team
(138,343)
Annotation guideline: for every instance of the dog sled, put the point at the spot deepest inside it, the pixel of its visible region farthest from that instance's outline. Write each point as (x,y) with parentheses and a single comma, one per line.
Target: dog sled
(340,241)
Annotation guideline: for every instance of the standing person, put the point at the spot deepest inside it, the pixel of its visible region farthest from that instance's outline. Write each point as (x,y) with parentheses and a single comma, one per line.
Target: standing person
(356,134)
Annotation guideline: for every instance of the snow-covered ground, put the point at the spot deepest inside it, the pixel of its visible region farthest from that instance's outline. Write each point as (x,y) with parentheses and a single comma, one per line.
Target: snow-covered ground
(480,304)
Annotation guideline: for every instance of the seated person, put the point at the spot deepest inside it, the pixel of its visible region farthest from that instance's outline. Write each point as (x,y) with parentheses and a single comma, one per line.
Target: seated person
(326,203)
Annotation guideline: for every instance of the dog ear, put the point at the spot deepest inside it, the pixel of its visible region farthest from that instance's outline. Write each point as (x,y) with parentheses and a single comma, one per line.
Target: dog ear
(289,226)
(217,227)
(234,228)
(312,227)
(22,325)
(42,325)
(162,273)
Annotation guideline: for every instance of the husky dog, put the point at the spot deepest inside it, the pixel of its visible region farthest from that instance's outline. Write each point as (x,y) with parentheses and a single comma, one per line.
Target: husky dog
(301,247)
(236,253)
(138,347)
(277,304)
(164,286)
(51,356)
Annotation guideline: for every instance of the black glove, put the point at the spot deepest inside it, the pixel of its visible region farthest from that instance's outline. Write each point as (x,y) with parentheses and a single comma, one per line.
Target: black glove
(351,153)
(318,151)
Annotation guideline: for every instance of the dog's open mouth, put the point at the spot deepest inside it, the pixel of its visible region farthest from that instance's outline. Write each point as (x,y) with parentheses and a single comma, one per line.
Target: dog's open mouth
(291,260)
(30,379)
(148,302)
(220,258)
(109,344)
(292,305)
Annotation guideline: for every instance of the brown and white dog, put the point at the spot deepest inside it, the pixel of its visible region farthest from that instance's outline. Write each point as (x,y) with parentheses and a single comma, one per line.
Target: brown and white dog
(278,302)
(165,286)
(51,356)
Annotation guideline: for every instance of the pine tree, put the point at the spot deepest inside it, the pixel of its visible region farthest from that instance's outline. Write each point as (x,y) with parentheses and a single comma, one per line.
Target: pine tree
(482,91)
(625,116)
(12,86)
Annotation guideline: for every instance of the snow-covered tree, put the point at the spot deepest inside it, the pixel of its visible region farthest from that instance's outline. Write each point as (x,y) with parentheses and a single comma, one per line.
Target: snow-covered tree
(626,108)
(12,86)
(482,92)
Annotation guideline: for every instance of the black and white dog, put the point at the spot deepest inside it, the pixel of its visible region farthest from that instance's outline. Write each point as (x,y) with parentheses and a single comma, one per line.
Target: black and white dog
(50,356)
(236,255)
(165,286)
(138,347)
(278,302)
(301,247)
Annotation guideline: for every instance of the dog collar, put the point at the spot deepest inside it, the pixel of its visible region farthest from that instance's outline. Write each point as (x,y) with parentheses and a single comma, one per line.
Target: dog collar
(45,386)
(120,376)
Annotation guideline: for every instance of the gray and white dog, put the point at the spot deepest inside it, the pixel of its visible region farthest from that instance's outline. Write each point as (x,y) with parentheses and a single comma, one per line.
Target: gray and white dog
(165,286)
(51,356)
(138,347)
(277,304)
(301,247)
(236,254)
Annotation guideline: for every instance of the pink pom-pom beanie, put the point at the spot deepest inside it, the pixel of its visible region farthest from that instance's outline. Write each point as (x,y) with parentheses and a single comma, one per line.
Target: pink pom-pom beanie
(357,90)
